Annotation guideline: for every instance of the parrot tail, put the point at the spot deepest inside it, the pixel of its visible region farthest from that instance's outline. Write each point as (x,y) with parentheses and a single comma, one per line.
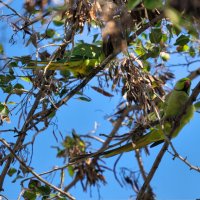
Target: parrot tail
(152,136)
(41,65)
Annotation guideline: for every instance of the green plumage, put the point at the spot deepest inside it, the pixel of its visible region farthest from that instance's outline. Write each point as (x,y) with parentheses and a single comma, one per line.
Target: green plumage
(80,61)
(171,108)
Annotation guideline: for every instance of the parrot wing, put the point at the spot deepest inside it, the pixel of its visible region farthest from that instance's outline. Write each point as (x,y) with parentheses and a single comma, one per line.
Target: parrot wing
(80,61)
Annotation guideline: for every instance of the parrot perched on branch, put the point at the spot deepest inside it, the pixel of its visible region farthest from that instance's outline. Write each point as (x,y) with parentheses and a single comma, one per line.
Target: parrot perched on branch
(172,107)
(80,61)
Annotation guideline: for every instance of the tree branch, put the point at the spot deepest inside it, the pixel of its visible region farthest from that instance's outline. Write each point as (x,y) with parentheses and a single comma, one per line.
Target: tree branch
(160,155)
(34,173)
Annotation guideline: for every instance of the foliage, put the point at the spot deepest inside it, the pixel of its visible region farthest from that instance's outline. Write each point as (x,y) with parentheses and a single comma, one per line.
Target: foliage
(132,48)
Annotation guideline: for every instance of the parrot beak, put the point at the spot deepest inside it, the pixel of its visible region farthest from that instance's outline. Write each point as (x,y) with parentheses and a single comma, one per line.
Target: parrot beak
(187,84)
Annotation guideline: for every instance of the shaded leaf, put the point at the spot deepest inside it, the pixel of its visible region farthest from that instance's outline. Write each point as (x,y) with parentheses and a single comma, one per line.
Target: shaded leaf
(132,4)
(29,195)
(84,99)
(1,49)
(182,40)
(50,33)
(152,4)
(156,35)
(192,52)
(33,184)
(11,171)
(18,86)
(44,190)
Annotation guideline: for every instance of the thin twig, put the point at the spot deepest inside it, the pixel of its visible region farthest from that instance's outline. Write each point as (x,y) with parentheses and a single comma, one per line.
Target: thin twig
(13,10)
(194,74)
(175,154)
(34,173)
(95,71)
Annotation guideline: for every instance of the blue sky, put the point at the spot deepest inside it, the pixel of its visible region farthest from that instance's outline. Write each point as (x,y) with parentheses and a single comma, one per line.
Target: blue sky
(173,179)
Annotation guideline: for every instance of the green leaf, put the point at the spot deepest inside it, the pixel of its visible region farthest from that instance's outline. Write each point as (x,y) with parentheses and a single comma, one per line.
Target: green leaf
(140,50)
(154,53)
(1,49)
(7,88)
(18,86)
(13,64)
(25,78)
(52,114)
(164,38)
(44,190)
(182,48)
(95,38)
(156,35)
(1,107)
(11,103)
(176,30)
(6,79)
(197,106)
(50,33)
(84,99)
(192,52)
(170,29)
(29,195)
(182,40)
(132,4)
(70,170)
(11,171)
(4,111)
(57,21)
(34,184)
(152,4)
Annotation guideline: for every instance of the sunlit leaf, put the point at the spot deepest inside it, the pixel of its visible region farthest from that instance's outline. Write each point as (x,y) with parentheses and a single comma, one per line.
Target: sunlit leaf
(25,78)
(70,170)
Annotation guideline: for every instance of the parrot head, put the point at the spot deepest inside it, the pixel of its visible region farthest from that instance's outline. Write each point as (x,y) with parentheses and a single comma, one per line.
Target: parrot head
(183,85)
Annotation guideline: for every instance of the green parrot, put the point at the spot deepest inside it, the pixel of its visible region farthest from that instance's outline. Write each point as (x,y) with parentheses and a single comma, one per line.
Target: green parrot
(80,61)
(171,108)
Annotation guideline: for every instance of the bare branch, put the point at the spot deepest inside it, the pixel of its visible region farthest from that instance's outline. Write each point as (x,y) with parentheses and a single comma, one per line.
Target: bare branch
(175,154)
(13,10)
(34,173)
